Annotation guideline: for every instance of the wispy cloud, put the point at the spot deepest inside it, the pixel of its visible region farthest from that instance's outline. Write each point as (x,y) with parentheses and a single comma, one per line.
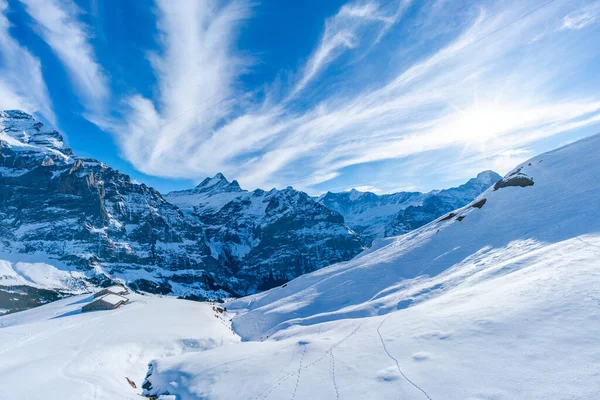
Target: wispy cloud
(57,22)
(581,18)
(21,83)
(197,69)
(354,24)
(486,89)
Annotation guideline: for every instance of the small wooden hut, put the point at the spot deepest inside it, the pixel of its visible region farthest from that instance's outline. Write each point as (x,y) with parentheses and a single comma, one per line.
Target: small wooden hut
(107,302)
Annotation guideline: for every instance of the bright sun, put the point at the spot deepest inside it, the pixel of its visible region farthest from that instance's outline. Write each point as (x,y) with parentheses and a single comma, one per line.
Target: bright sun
(479,124)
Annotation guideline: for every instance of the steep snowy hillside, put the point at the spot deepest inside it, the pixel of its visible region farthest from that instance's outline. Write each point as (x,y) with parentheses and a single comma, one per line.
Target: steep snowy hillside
(376,216)
(56,352)
(267,237)
(497,300)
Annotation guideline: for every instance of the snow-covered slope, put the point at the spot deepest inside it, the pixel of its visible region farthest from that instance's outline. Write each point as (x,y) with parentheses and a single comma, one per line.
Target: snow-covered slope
(57,352)
(497,300)
(375,216)
(267,237)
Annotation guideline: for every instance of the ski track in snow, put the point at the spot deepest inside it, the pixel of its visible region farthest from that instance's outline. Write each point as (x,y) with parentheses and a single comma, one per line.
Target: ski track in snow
(588,243)
(282,377)
(396,360)
(29,338)
(332,373)
(299,371)
(276,381)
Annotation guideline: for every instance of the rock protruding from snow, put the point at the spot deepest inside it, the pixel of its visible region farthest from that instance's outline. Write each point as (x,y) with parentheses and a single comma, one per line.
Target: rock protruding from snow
(514,178)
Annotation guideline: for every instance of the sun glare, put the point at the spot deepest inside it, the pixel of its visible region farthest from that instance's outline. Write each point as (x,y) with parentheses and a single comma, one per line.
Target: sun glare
(479,124)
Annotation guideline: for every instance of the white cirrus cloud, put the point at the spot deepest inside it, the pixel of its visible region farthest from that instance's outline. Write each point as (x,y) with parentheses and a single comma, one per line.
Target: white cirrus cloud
(197,69)
(581,18)
(21,82)
(57,22)
(354,24)
(485,89)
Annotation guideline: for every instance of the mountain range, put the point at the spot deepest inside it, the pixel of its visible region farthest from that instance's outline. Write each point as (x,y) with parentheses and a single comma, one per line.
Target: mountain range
(68,223)
(498,299)
(375,216)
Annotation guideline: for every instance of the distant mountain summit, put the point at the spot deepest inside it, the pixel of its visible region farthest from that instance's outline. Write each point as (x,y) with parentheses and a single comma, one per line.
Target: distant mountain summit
(267,237)
(375,216)
(217,184)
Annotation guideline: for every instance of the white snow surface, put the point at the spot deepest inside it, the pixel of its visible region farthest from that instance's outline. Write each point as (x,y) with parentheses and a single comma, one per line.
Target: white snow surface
(503,304)
(57,352)
(39,275)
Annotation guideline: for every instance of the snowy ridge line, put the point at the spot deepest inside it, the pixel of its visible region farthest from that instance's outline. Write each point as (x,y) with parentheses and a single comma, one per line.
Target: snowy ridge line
(396,360)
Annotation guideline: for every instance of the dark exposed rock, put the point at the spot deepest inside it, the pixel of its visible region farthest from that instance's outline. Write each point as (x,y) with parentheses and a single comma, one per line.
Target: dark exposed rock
(83,213)
(21,297)
(479,203)
(447,217)
(516,180)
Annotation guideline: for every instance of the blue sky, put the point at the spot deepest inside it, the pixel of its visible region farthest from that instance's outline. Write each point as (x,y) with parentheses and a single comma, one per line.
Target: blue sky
(381,95)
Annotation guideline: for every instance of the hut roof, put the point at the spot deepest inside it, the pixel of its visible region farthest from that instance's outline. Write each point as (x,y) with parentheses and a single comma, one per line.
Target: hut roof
(114,299)
(116,289)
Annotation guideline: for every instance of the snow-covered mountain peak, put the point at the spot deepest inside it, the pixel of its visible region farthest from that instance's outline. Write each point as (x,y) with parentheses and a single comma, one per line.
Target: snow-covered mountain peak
(20,130)
(217,184)
(355,194)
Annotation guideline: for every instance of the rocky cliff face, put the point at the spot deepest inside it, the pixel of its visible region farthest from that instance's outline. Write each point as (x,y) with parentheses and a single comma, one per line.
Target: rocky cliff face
(266,238)
(84,215)
(374,216)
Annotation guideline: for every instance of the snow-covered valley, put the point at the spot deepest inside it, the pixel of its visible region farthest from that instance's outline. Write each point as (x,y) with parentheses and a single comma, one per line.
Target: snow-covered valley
(497,300)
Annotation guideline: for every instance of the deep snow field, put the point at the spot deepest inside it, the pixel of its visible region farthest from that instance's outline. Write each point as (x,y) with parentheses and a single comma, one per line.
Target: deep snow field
(494,301)
(57,352)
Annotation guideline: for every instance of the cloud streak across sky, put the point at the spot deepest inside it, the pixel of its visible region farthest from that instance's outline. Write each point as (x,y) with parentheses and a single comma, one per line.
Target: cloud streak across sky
(56,21)
(417,88)
(21,83)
